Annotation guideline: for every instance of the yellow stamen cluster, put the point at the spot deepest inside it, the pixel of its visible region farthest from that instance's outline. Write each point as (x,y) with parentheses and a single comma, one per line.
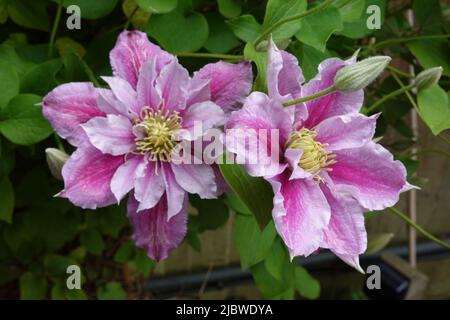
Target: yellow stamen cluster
(315,157)
(159,127)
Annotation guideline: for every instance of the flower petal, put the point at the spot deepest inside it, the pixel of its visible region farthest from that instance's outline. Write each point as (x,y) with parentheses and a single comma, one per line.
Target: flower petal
(301,213)
(149,186)
(124,93)
(346,131)
(153,231)
(87,177)
(124,178)
(69,105)
(173,85)
(147,94)
(345,235)
(201,117)
(284,76)
(293,157)
(109,104)
(369,174)
(131,51)
(111,134)
(257,125)
(333,104)
(174,193)
(229,83)
(196,178)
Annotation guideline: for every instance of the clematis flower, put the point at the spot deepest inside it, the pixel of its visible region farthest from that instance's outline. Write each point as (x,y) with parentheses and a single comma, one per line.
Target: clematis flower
(125,135)
(329,169)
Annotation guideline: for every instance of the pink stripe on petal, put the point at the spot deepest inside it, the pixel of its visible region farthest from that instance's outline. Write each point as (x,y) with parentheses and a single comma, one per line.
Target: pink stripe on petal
(345,235)
(87,177)
(131,51)
(369,174)
(174,193)
(124,93)
(68,106)
(111,134)
(147,94)
(173,85)
(149,185)
(229,83)
(153,231)
(284,76)
(301,213)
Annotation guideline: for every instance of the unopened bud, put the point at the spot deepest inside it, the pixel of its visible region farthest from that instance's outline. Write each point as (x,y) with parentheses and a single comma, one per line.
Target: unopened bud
(55,160)
(359,75)
(428,78)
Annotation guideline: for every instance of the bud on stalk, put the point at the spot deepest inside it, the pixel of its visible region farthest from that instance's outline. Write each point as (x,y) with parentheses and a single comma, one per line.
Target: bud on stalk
(55,160)
(428,78)
(359,75)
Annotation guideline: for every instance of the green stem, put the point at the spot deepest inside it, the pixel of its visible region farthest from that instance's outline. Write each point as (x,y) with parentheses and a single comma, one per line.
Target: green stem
(446,140)
(127,24)
(59,142)
(391,95)
(55,29)
(432,150)
(90,73)
(407,93)
(388,42)
(209,55)
(418,228)
(311,97)
(306,13)
(399,72)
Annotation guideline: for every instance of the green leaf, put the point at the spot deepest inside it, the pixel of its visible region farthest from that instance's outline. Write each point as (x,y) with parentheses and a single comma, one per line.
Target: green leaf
(245,27)
(157,6)
(428,16)
(92,240)
(111,291)
(306,285)
(143,263)
(278,10)
(221,39)
(21,121)
(212,213)
(252,244)
(3,11)
(61,292)
(92,9)
(272,288)
(255,193)
(229,8)
(309,59)
(6,200)
(234,203)
(316,29)
(180,30)
(377,242)
(125,252)
(9,55)
(260,59)
(32,287)
(10,83)
(29,13)
(41,79)
(432,53)
(358,29)
(352,10)
(276,258)
(56,265)
(434,108)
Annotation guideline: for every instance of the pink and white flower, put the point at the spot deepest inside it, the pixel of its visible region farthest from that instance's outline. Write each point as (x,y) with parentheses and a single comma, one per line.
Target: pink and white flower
(124,136)
(330,170)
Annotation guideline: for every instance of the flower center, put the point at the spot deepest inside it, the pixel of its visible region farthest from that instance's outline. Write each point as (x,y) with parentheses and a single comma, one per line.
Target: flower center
(158,128)
(314,158)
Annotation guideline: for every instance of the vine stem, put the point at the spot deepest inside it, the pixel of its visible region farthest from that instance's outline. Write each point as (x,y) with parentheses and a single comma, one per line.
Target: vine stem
(55,29)
(418,228)
(391,95)
(306,13)
(385,43)
(311,97)
(209,55)
(407,93)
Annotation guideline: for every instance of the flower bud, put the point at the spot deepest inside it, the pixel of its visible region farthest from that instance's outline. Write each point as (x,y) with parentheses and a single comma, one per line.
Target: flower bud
(359,75)
(55,160)
(428,78)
